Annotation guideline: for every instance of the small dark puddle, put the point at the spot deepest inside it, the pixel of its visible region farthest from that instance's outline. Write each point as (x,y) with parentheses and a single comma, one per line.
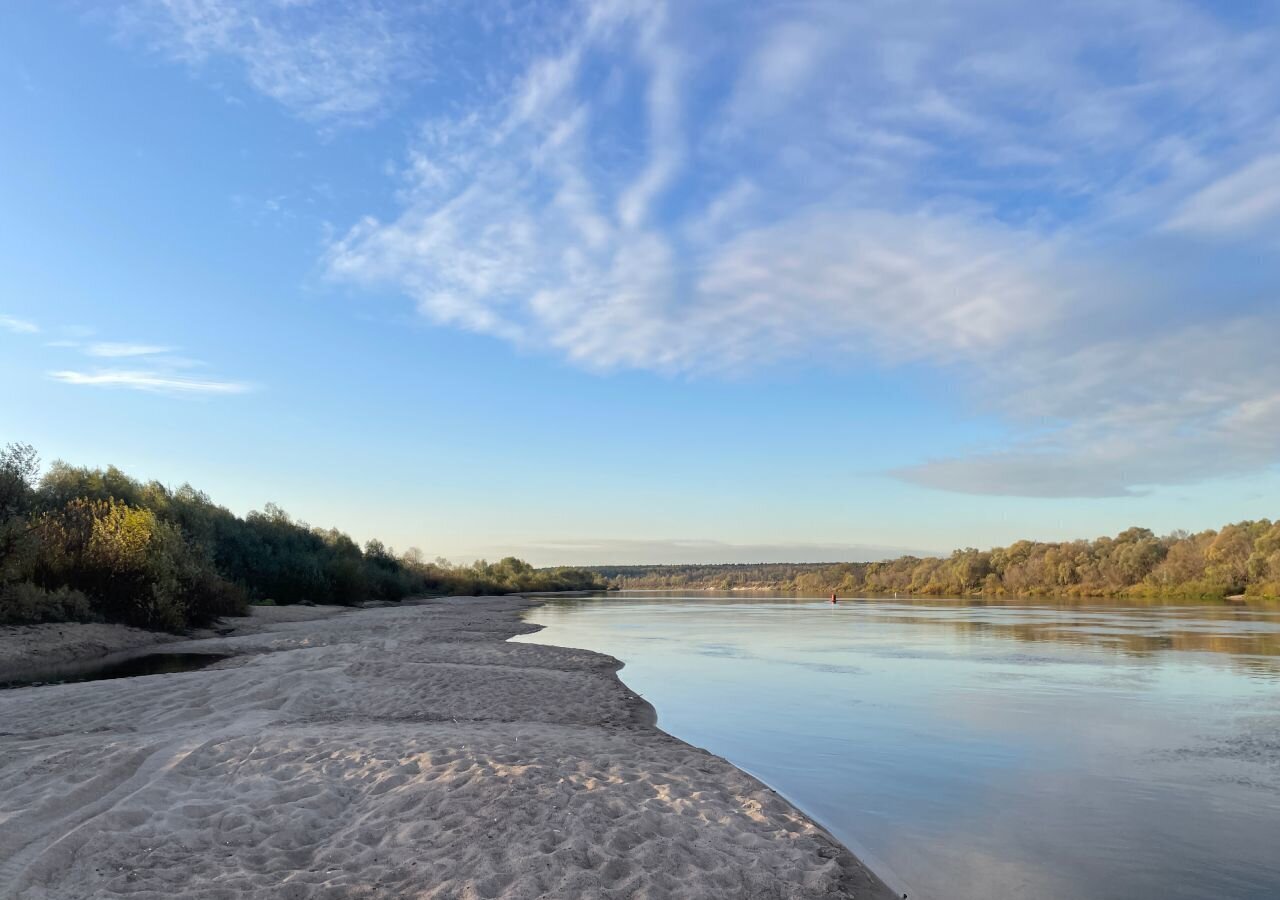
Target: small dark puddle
(98,670)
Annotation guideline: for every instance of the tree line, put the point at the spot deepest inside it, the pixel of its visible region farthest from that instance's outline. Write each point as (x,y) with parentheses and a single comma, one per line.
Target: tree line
(1242,559)
(92,544)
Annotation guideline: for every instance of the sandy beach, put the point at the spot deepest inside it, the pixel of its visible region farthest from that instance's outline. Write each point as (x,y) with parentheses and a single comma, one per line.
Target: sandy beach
(406,751)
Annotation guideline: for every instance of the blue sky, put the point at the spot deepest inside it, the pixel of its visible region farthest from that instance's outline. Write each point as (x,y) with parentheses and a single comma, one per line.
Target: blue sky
(610,281)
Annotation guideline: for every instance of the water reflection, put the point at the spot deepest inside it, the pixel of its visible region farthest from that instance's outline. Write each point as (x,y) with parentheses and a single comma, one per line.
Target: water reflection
(1053,749)
(128,664)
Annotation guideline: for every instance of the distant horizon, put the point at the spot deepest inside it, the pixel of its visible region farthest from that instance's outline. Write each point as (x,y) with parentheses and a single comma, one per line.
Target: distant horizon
(551,553)
(731,554)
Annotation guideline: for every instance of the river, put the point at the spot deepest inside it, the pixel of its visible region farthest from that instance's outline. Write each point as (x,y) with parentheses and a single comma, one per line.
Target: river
(965,749)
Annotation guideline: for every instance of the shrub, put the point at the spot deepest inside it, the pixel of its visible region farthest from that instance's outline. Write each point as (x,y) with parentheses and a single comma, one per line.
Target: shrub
(24,603)
(134,568)
(96,542)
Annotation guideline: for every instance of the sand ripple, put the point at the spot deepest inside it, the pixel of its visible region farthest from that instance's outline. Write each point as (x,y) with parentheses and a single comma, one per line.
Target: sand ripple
(399,752)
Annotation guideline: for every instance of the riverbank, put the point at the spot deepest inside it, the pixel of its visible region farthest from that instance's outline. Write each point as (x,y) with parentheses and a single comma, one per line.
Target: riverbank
(394,752)
(25,648)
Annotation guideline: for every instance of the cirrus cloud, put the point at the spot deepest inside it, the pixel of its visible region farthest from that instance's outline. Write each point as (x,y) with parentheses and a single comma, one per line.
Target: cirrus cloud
(1116,418)
(882,183)
(18,326)
(1238,203)
(989,190)
(153,369)
(152,382)
(328,62)
(113,350)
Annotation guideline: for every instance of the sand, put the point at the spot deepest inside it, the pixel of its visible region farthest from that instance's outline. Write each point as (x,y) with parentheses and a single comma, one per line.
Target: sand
(399,752)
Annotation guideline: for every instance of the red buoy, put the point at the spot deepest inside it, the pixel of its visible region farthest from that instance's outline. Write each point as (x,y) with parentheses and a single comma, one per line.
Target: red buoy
(833,599)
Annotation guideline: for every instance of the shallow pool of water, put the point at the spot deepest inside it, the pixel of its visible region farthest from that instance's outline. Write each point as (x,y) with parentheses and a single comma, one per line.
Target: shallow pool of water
(114,666)
(1069,750)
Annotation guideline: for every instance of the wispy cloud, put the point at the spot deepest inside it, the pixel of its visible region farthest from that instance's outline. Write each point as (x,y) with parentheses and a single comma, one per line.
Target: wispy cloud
(153,368)
(18,326)
(1115,418)
(939,183)
(152,382)
(984,188)
(328,62)
(508,233)
(114,350)
(1240,202)
(523,221)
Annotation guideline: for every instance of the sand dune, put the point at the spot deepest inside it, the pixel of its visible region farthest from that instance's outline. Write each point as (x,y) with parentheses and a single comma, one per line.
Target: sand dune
(398,752)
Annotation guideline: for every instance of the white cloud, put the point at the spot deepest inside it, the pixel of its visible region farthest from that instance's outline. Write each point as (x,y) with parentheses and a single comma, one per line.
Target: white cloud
(920,286)
(153,382)
(114,350)
(787,57)
(1240,202)
(635,185)
(515,237)
(18,326)
(879,181)
(154,369)
(1125,415)
(328,62)
(665,138)
(524,218)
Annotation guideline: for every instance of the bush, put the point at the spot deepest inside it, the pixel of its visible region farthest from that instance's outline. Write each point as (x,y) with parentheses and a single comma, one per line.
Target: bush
(136,568)
(26,604)
(1269,590)
(94,542)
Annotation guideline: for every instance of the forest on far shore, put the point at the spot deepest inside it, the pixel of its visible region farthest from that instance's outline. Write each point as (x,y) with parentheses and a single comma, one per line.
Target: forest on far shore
(97,545)
(81,544)
(1240,559)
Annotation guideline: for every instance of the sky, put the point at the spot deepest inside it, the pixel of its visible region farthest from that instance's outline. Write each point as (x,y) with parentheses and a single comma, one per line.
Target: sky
(609,281)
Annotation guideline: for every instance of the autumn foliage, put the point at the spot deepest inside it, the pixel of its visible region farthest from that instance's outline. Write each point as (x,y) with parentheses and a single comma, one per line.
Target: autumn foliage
(80,543)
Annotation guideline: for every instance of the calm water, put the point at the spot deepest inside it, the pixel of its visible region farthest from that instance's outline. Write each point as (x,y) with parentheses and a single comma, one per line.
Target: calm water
(970,749)
(128,665)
